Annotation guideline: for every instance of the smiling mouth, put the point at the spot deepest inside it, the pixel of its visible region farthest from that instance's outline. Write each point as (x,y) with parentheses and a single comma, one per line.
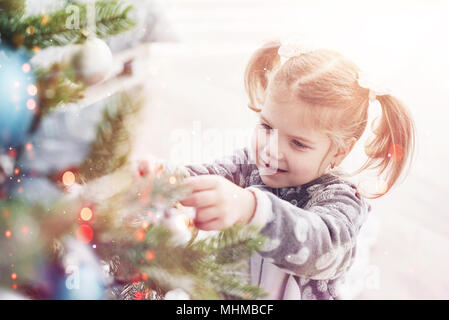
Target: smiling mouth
(272,170)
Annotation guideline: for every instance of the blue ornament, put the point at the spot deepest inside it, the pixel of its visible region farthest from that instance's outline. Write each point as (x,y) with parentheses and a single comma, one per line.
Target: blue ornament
(19,97)
(82,283)
(84,277)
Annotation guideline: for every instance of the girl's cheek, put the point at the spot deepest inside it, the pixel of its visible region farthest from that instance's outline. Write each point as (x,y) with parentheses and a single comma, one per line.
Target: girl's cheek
(255,144)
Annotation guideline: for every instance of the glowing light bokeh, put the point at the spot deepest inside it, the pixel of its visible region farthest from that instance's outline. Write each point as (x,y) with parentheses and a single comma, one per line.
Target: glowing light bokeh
(68,178)
(86,214)
(140,235)
(26,67)
(32,89)
(31,104)
(25,229)
(145,225)
(149,255)
(172,180)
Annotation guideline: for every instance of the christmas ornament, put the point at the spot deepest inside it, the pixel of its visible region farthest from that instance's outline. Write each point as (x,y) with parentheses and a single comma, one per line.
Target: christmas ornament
(177,294)
(92,60)
(178,222)
(19,96)
(85,277)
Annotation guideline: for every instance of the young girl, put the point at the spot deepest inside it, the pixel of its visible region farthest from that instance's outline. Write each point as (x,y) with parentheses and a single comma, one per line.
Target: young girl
(313,106)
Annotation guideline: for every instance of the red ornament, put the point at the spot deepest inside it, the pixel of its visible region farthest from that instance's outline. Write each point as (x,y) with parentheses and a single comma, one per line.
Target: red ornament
(84,234)
(12,153)
(139,295)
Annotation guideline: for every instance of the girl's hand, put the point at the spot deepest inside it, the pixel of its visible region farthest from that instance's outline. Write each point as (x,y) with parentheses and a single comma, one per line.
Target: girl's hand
(219,203)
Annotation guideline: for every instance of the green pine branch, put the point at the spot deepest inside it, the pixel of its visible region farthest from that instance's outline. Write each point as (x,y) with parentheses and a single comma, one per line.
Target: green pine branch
(112,146)
(57,85)
(198,267)
(194,268)
(204,263)
(12,7)
(232,244)
(58,28)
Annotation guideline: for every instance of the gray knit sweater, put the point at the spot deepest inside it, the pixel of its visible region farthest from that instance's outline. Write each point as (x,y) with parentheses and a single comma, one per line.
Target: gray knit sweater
(311,230)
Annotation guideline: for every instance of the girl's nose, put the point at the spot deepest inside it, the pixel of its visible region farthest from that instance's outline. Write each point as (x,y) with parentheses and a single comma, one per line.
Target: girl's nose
(273,152)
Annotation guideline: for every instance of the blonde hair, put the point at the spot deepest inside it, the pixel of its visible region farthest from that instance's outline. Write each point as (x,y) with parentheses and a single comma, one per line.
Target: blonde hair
(326,82)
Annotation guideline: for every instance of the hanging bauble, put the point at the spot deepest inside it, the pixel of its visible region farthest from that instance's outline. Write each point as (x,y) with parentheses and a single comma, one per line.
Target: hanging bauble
(84,277)
(178,223)
(177,294)
(92,60)
(19,97)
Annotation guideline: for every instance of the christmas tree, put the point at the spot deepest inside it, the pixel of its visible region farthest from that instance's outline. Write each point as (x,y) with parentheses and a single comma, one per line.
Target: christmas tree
(78,218)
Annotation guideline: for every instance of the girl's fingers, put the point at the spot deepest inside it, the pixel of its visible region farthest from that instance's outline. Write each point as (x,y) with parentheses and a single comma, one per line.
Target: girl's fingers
(200,199)
(214,224)
(200,183)
(206,214)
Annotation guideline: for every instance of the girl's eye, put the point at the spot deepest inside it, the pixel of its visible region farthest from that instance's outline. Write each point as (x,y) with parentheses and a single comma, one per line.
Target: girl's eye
(298,144)
(266,126)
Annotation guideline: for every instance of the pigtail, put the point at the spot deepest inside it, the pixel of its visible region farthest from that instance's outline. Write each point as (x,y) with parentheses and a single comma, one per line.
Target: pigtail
(393,146)
(257,73)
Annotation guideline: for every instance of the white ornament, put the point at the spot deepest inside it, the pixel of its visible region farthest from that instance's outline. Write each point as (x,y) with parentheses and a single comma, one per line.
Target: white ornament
(176,221)
(176,294)
(92,60)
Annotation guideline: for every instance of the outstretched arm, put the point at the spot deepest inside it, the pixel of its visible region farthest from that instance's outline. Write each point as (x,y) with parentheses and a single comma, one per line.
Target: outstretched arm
(234,167)
(318,242)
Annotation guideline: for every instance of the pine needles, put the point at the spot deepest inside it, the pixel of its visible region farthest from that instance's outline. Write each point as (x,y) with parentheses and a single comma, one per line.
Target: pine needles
(64,27)
(112,146)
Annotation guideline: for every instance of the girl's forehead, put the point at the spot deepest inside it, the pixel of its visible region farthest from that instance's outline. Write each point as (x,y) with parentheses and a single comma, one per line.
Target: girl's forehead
(291,111)
(293,121)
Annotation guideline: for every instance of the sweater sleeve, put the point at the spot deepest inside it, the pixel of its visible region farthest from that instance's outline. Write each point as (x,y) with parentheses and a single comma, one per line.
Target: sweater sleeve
(317,242)
(233,167)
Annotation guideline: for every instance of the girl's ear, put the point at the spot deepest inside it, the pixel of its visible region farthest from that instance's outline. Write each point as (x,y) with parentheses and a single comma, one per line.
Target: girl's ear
(343,151)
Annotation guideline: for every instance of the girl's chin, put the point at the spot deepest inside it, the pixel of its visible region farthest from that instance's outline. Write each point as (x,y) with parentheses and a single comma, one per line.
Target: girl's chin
(272,182)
